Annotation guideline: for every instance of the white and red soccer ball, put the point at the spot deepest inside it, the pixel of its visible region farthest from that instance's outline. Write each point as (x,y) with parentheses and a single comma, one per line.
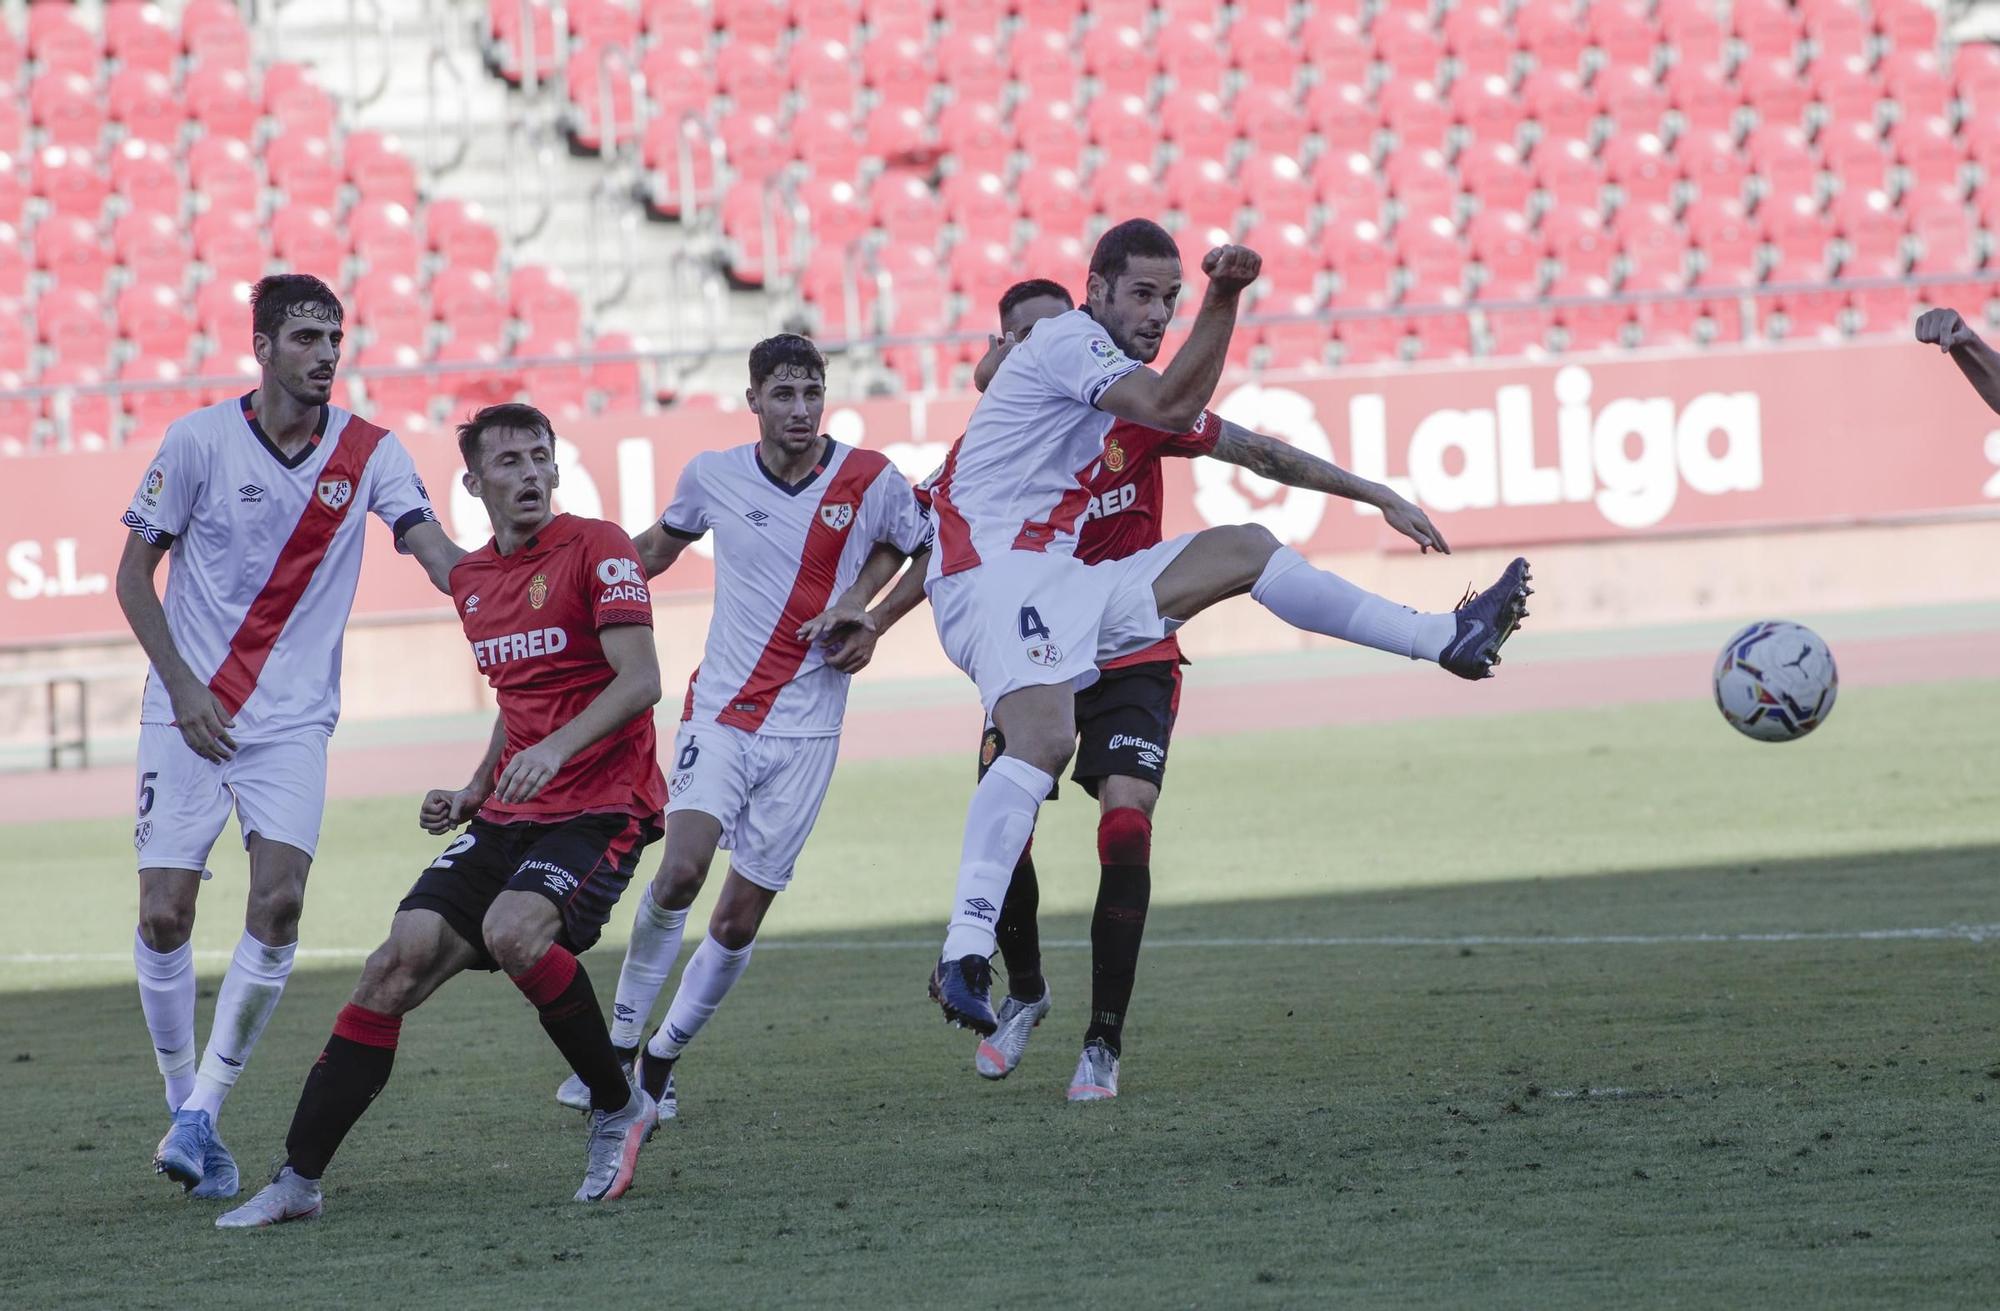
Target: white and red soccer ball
(1775,681)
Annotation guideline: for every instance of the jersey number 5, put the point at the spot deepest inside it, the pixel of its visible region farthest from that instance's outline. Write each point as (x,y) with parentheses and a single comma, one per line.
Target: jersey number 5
(1032,626)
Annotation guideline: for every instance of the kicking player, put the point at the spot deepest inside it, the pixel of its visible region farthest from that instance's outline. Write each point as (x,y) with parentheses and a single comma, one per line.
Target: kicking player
(795,514)
(1030,624)
(1950,333)
(260,501)
(1125,720)
(569,792)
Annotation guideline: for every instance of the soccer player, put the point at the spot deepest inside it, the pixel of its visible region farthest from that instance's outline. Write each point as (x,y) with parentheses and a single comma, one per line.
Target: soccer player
(795,514)
(1950,333)
(1125,719)
(568,793)
(1030,624)
(261,502)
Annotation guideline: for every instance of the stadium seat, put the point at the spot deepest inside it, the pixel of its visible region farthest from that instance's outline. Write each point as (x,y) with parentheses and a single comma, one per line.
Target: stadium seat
(1713,165)
(618,384)
(151,410)
(1376,339)
(1637,164)
(1349,186)
(839,216)
(1917,82)
(91,422)
(973,134)
(1931,156)
(1868,223)
(680,80)
(981,270)
(391,401)
(974,63)
(1906,24)
(1278,189)
(155,319)
(71,181)
(1124,129)
(1493,171)
(219,99)
(1704,97)
(1769,29)
(1198,125)
(1477,36)
(380,169)
(144,173)
(1344,116)
(745,218)
(1486,108)
(1045,63)
(222,172)
(1632,98)
(1291,265)
(1272,120)
(1261,50)
(1571,174)
(594,76)
(297,104)
(749,74)
(1692,30)
(1884,309)
(144,106)
(1773,87)
(385,238)
(58,39)
(1299,344)
(900,134)
(1194,58)
(222,311)
(468,302)
(231,244)
(1553,32)
(1335,46)
(459,231)
(1431,255)
(389,309)
(71,251)
(150,247)
(306,240)
(905,207)
(305,171)
(1855,156)
(1120,58)
(1049,131)
(215,34)
(560,387)
(1799,233)
(1845,89)
(1413,109)
(679,159)
(1556,100)
(141,39)
(1202,191)
(13,268)
(1508,250)
(1408,44)
(1054,200)
(1579,241)
(1784,163)
(70,321)
(898,69)
(1947,240)
(13,191)
(1623,33)
(542,299)
(754,144)
(1360,259)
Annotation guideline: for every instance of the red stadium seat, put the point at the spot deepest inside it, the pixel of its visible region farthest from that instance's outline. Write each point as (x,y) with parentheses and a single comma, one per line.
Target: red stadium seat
(1493,172)
(71,181)
(1261,49)
(298,104)
(1053,253)
(1580,242)
(1349,186)
(1477,36)
(1728,242)
(1799,233)
(1838,29)
(91,422)
(1845,89)
(57,40)
(13,191)
(1194,58)
(1334,45)
(906,208)
(982,269)
(1556,100)
(1553,32)
(1272,120)
(1692,30)
(17,342)
(13,267)
(1486,108)
(1855,156)
(385,238)
(380,169)
(1570,173)
(900,134)
(1947,240)
(1637,163)
(469,301)
(1197,125)
(1377,339)
(306,241)
(1769,28)
(761,21)
(71,251)
(1299,344)
(974,135)
(222,311)
(305,171)
(143,103)
(679,158)
(1415,112)
(618,383)
(680,80)
(825,73)
(898,68)
(1633,98)
(1917,82)
(231,242)
(1055,200)
(1508,250)
(829,143)
(155,320)
(140,38)
(751,77)
(1120,58)
(973,63)
(144,173)
(1783,161)
(151,248)
(1045,62)
(1360,258)
(1344,116)
(1664,318)
(594,75)
(223,173)
(1442,336)
(603,22)
(1868,222)
(390,400)
(1049,132)
(1408,44)
(1203,192)
(219,100)
(70,321)
(1431,253)
(762,238)
(1623,32)
(559,388)
(1713,164)
(839,216)
(1885,309)
(1928,151)
(1704,97)
(1908,24)
(215,33)
(755,145)
(1775,90)
(1291,266)
(542,299)
(1278,189)
(151,410)
(1124,129)
(1421,180)
(388,307)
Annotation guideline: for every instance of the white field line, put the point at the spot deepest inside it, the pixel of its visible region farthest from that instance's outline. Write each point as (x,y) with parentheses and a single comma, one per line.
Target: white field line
(1946,933)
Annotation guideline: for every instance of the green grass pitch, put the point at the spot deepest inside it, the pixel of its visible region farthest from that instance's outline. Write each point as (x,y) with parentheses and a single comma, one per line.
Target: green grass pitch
(1794,1120)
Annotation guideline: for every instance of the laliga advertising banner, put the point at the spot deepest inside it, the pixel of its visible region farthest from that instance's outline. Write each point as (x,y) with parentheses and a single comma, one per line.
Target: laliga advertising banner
(1509,455)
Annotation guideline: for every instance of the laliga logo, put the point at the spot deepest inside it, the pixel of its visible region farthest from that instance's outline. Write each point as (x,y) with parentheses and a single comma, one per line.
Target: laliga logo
(1225,493)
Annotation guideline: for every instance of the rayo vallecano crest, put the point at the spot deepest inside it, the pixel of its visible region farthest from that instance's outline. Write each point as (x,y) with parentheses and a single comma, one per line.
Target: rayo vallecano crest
(836,517)
(335,493)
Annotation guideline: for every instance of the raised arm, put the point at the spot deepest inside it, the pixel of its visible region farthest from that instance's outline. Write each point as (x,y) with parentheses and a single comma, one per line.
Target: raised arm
(633,690)
(1950,333)
(1174,398)
(989,363)
(203,723)
(1282,462)
(436,552)
(659,548)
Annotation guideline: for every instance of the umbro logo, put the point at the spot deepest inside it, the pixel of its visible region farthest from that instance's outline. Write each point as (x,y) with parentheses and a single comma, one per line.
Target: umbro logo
(472,603)
(758,517)
(980,908)
(234,1065)
(250,492)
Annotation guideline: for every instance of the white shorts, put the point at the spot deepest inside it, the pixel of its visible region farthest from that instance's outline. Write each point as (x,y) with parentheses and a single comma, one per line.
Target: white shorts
(278,789)
(765,791)
(1025,619)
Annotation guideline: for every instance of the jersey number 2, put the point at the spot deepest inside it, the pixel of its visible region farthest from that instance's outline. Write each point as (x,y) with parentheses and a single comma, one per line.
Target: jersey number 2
(459,846)
(1032,625)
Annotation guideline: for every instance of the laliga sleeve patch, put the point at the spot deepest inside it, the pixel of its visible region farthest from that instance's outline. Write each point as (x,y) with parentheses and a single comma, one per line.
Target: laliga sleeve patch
(1107,356)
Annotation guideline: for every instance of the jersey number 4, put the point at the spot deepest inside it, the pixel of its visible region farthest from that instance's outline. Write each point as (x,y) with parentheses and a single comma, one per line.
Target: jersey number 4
(1032,626)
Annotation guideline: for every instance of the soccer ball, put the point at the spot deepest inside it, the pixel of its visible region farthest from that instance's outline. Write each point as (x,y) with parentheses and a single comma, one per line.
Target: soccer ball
(1775,681)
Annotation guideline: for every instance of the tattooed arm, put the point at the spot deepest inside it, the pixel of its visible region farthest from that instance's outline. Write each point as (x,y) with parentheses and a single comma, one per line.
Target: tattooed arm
(1282,462)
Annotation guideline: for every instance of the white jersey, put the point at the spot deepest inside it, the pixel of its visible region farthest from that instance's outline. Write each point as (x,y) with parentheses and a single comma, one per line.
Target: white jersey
(1015,480)
(266,553)
(782,554)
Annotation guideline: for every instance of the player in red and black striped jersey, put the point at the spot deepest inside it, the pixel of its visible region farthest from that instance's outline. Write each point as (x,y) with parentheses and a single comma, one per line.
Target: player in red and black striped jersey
(559,617)
(1125,719)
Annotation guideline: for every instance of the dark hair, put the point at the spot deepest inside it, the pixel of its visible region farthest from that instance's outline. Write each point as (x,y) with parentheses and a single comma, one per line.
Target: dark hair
(787,348)
(512,414)
(1133,239)
(275,298)
(1032,289)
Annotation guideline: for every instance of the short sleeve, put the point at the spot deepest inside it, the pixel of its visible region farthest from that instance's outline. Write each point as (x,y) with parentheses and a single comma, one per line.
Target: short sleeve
(168,490)
(688,516)
(399,498)
(896,515)
(1198,440)
(615,580)
(1078,358)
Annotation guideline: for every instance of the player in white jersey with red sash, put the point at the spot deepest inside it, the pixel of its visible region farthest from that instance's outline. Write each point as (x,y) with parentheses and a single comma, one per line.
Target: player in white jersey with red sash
(1030,624)
(261,501)
(794,515)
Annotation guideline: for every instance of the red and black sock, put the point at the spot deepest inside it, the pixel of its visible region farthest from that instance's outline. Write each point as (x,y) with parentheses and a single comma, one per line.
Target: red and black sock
(561,991)
(1124,889)
(1019,936)
(350,1071)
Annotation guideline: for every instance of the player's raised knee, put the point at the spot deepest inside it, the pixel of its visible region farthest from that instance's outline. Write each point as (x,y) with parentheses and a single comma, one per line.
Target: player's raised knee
(515,935)
(391,976)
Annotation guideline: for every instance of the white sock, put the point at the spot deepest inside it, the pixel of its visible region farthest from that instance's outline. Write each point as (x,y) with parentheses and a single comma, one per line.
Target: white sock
(997,827)
(166,995)
(243,1006)
(656,942)
(710,973)
(1320,602)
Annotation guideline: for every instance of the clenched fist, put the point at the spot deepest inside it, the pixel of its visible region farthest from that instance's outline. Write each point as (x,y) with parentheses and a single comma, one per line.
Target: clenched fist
(1944,328)
(1231,268)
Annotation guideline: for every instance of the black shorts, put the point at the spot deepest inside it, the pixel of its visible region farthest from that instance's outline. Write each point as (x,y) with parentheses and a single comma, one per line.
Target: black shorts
(581,865)
(1124,722)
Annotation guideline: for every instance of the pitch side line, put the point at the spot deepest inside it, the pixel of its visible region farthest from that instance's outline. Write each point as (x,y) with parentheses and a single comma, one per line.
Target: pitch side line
(1948,933)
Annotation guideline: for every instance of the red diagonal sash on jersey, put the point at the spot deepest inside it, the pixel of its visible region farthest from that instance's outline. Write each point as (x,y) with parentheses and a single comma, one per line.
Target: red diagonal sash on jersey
(954,537)
(818,563)
(298,560)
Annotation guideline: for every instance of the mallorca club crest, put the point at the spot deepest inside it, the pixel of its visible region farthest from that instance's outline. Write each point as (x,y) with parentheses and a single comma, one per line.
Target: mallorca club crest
(1114,456)
(538,590)
(335,493)
(836,517)
(989,748)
